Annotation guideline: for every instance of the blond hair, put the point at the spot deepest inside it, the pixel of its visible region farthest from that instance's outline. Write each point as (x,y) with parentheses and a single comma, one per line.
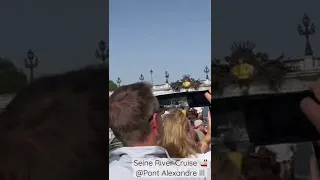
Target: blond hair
(223,168)
(176,139)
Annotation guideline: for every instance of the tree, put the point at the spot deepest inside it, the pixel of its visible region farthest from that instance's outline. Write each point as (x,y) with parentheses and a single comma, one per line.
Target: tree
(112,85)
(11,78)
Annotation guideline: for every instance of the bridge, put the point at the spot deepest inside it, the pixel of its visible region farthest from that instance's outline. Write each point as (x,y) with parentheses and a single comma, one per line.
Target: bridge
(306,67)
(161,89)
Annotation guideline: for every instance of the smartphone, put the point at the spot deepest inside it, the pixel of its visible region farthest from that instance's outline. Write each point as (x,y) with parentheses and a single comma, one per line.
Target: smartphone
(268,118)
(194,98)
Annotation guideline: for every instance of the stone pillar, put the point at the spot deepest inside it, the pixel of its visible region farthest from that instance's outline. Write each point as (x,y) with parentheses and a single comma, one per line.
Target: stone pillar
(308,63)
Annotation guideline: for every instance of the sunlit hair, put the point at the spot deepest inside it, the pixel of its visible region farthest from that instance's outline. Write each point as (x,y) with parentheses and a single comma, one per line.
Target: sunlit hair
(222,168)
(176,139)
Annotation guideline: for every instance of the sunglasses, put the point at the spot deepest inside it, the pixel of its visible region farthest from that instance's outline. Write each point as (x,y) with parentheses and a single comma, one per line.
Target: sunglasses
(156,112)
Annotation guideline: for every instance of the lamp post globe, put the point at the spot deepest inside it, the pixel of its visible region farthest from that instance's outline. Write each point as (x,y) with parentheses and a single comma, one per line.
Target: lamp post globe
(119,81)
(31,62)
(206,70)
(166,75)
(141,78)
(102,52)
(151,73)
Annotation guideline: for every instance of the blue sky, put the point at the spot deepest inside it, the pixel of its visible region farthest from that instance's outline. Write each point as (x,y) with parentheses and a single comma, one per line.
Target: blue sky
(165,35)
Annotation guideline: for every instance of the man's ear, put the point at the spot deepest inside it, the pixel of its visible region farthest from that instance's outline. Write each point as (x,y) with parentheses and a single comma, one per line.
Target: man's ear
(154,122)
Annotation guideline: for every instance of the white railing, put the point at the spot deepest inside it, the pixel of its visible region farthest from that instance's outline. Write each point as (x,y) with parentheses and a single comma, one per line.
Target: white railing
(5,99)
(163,89)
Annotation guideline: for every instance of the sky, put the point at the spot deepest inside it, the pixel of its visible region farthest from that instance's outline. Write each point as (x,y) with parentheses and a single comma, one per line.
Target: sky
(63,34)
(271,25)
(166,35)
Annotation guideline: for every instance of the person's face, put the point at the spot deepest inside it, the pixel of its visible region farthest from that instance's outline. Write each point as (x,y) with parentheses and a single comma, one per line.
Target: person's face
(193,134)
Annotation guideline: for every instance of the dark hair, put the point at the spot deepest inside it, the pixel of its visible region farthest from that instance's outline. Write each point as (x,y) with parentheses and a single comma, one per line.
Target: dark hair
(130,109)
(192,115)
(256,168)
(57,128)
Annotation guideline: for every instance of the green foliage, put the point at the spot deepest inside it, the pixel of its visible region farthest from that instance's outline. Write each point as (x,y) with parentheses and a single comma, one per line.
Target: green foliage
(11,78)
(112,85)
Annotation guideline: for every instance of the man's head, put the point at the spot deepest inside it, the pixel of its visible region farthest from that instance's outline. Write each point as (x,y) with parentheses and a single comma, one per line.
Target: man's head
(134,115)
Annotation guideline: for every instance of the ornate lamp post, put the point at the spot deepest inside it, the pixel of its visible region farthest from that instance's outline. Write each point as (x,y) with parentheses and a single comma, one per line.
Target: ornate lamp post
(119,81)
(306,31)
(151,73)
(102,52)
(31,62)
(141,78)
(166,75)
(206,70)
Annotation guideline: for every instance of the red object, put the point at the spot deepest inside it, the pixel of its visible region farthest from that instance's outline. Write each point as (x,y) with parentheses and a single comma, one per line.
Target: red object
(204,163)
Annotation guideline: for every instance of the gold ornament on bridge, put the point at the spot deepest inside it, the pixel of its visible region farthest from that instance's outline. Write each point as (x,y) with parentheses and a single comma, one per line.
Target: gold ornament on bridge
(243,70)
(186,84)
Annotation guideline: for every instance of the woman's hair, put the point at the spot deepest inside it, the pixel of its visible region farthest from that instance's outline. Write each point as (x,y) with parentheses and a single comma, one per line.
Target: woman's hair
(222,168)
(176,139)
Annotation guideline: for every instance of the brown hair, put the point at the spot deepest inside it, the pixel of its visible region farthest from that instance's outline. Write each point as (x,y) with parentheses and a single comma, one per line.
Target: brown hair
(130,109)
(223,168)
(192,115)
(56,128)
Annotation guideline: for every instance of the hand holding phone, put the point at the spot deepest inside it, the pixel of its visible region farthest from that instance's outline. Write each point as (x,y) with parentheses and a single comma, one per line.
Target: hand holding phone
(208,94)
(209,123)
(310,106)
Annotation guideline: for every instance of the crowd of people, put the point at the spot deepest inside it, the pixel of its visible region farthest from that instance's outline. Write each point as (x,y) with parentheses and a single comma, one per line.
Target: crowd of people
(173,133)
(263,162)
(57,128)
(147,131)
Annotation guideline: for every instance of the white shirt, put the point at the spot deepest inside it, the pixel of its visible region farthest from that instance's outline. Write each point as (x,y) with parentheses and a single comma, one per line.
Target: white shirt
(206,155)
(283,151)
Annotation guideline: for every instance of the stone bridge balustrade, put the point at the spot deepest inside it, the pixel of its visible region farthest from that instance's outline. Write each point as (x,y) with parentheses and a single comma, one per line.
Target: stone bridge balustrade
(5,100)
(163,89)
(305,67)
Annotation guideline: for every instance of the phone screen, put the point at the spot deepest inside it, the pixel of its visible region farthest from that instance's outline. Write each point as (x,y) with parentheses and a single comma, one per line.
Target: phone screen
(273,118)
